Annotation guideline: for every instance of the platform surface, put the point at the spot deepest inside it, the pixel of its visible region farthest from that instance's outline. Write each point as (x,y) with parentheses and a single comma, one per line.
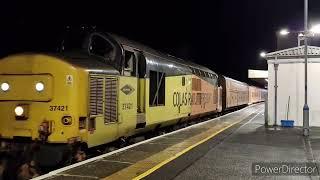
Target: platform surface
(232,158)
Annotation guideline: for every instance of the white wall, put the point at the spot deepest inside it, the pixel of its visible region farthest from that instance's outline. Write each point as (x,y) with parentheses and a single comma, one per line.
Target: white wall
(291,83)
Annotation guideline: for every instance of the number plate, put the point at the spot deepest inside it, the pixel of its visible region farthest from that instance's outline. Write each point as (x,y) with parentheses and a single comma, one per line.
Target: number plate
(58,108)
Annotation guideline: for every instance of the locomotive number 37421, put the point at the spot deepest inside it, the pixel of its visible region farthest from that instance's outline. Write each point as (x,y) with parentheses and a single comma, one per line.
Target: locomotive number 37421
(58,108)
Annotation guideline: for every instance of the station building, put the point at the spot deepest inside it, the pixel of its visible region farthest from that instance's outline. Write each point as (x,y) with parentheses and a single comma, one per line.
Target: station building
(289,66)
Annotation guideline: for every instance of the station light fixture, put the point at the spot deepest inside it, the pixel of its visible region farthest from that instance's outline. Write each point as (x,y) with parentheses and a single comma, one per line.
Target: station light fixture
(263,54)
(39,86)
(21,111)
(5,87)
(315,29)
(284,32)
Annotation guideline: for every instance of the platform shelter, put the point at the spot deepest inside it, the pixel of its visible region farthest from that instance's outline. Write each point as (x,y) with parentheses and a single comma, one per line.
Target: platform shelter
(286,82)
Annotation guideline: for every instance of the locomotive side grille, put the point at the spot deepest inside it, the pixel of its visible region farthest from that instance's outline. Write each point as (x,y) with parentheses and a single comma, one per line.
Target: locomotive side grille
(96,95)
(110,114)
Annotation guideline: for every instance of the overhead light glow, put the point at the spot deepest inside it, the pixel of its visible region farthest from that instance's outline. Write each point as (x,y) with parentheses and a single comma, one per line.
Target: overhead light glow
(263,54)
(19,111)
(284,32)
(315,29)
(5,87)
(39,86)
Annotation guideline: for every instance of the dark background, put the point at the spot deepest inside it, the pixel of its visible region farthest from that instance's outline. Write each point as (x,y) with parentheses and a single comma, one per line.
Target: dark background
(224,35)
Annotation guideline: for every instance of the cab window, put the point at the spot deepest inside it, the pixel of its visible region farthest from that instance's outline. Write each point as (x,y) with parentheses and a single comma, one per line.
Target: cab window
(99,46)
(130,61)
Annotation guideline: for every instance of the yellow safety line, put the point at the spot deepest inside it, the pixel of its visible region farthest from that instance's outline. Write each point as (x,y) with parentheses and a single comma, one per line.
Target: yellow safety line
(158,166)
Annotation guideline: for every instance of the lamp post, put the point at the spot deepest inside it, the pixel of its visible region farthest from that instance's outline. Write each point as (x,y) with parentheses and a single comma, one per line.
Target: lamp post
(306,128)
(276,66)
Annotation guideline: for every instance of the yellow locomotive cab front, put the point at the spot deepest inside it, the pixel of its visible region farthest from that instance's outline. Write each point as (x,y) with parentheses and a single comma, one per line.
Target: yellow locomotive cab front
(38,98)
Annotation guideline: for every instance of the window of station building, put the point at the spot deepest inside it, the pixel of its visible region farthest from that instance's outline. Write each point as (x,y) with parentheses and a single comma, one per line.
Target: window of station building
(157,88)
(129,68)
(101,47)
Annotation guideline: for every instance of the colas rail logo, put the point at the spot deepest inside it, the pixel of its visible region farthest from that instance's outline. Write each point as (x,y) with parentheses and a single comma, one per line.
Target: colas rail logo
(127,89)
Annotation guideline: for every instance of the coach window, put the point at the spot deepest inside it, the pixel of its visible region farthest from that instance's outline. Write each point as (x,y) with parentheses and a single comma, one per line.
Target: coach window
(197,72)
(207,74)
(202,74)
(129,64)
(215,78)
(193,71)
(157,88)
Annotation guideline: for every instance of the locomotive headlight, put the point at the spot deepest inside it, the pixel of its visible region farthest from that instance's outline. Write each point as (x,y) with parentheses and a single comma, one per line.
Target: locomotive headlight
(22,111)
(19,111)
(39,86)
(5,87)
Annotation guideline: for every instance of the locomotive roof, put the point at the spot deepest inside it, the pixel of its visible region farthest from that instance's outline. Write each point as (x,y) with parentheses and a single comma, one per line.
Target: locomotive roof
(146,49)
(91,63)
(235,80)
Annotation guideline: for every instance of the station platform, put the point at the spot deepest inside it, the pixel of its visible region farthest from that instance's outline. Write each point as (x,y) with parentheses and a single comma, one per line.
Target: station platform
(220,148)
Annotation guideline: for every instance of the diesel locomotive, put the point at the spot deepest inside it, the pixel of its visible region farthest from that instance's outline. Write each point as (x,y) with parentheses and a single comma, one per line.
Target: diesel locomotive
(103,89)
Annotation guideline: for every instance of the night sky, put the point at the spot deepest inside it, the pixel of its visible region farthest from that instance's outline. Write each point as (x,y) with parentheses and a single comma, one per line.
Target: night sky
(224,35)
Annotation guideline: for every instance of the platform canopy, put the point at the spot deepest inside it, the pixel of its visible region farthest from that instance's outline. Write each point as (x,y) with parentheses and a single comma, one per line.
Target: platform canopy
(296,52)
(255,74)
(259,76)
(286,85)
